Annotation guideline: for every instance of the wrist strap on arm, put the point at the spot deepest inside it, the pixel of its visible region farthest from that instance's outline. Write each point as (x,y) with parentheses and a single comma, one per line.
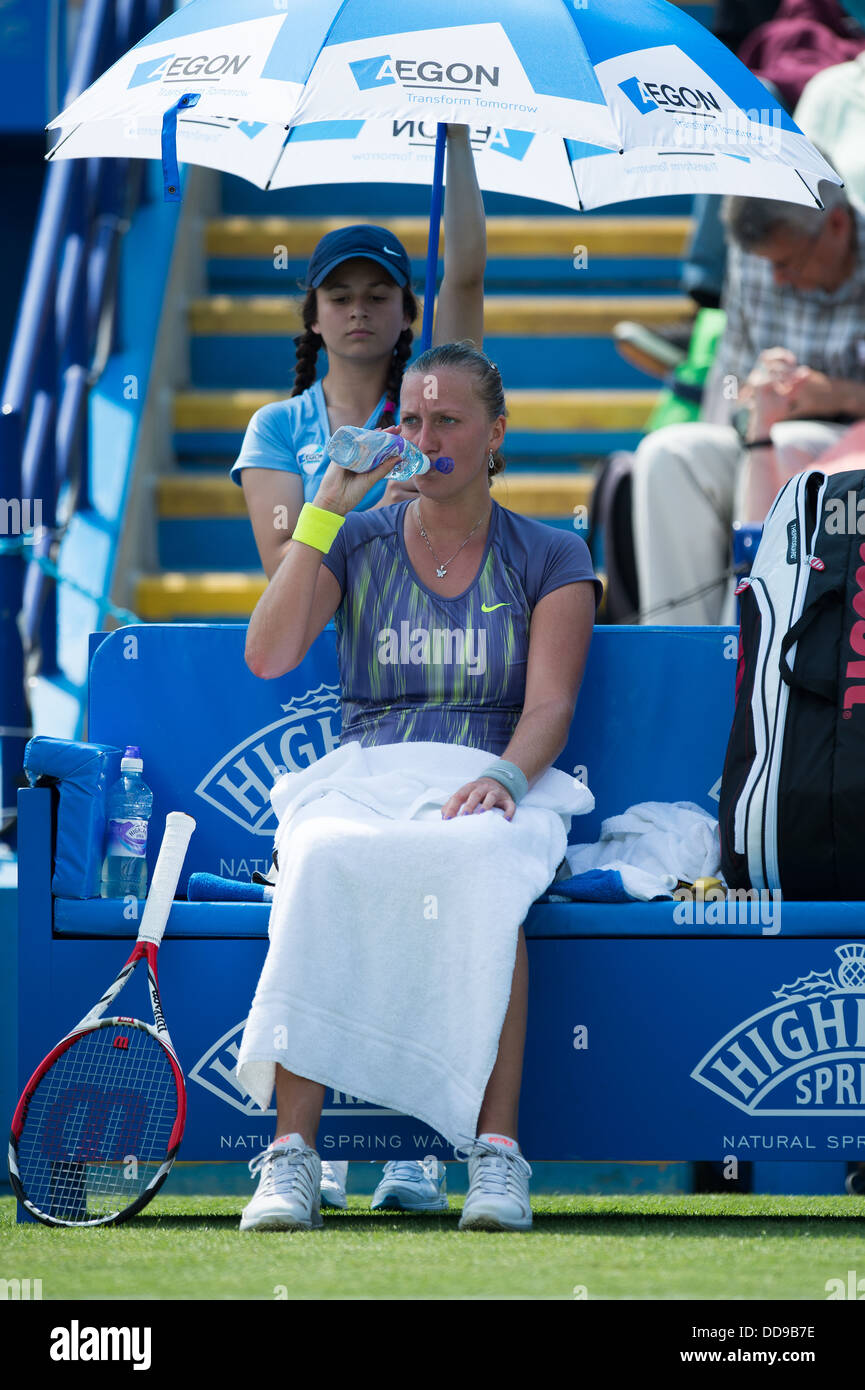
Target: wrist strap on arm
(317,527)
(512,778)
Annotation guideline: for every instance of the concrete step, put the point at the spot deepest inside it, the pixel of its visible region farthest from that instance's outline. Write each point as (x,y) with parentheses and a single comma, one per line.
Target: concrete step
(542,253)
(228,412)
(538,341)
(526,315)
(197,496)
(203,523)
(218,596)
(546,428)
(296,237)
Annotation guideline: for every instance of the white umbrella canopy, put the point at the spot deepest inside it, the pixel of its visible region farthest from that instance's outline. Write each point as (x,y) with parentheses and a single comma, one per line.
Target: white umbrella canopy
(376,151)
(592,101)
(570,173)
(643,79)
(663,173)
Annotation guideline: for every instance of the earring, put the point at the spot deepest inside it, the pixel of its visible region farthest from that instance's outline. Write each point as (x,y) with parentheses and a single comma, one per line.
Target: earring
(492,463)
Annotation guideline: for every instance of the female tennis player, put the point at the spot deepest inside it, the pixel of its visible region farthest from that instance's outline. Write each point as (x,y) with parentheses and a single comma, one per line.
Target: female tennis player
(453,553)
(360,309)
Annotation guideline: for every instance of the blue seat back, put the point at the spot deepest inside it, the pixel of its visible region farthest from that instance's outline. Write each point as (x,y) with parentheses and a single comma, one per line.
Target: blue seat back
(651,723)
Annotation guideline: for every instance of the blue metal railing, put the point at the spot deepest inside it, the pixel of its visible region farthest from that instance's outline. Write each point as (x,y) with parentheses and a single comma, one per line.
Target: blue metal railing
(65,330)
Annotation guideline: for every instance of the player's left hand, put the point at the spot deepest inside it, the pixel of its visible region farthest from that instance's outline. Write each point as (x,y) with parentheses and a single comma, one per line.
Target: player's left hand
(483,794)
(399,491)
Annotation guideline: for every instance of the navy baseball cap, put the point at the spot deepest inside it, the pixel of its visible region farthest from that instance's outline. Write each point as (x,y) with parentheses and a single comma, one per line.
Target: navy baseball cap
(373,243)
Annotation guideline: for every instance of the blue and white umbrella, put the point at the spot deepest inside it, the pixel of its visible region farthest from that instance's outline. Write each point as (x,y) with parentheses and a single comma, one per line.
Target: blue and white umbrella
(293,61)
(581,103)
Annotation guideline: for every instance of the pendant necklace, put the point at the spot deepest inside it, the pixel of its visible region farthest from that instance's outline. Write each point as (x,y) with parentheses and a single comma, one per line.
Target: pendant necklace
(441,566)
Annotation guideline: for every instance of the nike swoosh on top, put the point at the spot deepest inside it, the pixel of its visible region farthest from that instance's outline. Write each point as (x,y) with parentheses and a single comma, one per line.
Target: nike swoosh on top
(485,609)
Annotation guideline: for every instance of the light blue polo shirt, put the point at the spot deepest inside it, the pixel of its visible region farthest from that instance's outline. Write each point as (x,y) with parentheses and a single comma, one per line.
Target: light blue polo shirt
(290,436)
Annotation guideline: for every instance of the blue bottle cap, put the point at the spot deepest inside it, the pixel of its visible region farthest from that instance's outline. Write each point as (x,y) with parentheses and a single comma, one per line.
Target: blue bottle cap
(444,465)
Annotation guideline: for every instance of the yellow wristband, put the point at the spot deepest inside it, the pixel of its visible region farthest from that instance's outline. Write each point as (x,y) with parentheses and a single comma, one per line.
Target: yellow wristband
(317,527)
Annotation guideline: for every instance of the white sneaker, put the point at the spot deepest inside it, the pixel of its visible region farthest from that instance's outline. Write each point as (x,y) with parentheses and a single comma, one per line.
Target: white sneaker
(412,1185)
(286,1198)
(498,1195)
(333,1178)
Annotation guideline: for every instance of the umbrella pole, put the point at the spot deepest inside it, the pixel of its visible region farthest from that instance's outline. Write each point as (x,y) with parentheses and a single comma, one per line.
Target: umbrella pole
(435,217)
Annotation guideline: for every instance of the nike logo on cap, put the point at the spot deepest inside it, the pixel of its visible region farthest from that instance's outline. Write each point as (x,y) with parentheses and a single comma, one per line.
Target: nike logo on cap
(389,252)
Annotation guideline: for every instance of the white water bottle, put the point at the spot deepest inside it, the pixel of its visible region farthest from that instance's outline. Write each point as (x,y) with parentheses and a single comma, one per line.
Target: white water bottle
(130,804)
(360,451)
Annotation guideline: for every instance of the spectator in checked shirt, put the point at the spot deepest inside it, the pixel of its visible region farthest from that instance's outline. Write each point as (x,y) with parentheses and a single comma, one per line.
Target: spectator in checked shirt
(788,379)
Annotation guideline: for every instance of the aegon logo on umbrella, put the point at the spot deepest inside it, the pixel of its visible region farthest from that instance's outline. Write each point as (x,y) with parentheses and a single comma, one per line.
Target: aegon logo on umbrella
(172,69)
(385,72)
(650,96)
(514,143)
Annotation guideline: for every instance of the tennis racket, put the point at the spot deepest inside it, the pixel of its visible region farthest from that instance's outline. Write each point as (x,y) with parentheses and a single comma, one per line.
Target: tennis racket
(100,1121)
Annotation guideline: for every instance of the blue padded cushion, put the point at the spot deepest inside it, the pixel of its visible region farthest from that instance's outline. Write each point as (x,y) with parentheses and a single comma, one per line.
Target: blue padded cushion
(83,772)
(545,920)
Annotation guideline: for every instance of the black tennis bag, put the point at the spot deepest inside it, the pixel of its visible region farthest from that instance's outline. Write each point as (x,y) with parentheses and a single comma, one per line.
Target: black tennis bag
(792,804)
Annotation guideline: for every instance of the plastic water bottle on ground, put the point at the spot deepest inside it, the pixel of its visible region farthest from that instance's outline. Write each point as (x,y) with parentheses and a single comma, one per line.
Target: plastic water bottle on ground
(360,451)
(130,804)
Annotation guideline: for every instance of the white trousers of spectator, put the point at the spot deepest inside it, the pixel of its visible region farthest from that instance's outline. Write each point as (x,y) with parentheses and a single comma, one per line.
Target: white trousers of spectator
(687,488)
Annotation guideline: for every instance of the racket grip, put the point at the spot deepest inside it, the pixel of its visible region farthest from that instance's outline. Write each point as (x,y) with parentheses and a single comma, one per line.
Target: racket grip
(172,852)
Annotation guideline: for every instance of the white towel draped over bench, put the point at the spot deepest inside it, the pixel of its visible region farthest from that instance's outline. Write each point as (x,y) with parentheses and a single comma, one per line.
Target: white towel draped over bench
(393,932)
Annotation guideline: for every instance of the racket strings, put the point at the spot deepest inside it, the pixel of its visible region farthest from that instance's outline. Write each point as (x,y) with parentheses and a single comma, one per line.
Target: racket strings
(98,1125)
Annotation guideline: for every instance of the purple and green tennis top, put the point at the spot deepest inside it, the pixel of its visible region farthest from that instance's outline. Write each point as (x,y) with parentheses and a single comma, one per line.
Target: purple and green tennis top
(415,665)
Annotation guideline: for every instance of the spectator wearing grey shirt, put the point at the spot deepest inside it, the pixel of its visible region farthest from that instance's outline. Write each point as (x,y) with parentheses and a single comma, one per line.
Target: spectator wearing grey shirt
(790,367)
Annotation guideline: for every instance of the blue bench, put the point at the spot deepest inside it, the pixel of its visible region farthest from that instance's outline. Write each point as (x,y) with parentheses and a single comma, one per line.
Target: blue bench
(650,1037)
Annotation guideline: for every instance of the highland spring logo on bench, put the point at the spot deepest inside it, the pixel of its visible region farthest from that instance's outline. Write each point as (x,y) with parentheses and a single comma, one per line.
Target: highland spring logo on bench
(239,785)
(805,1054)
(216,1071)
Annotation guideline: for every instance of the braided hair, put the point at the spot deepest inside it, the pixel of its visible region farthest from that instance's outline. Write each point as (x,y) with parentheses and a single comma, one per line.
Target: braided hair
(309,344)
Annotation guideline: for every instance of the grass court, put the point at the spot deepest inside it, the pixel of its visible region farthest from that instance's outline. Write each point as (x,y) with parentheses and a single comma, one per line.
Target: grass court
(647,1246)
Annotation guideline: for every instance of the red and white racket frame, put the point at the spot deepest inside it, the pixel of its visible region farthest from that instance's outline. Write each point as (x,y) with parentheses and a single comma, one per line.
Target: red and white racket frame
(178,831)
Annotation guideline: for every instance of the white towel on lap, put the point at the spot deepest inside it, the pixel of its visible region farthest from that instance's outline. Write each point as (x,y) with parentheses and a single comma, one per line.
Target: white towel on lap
(393,932)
